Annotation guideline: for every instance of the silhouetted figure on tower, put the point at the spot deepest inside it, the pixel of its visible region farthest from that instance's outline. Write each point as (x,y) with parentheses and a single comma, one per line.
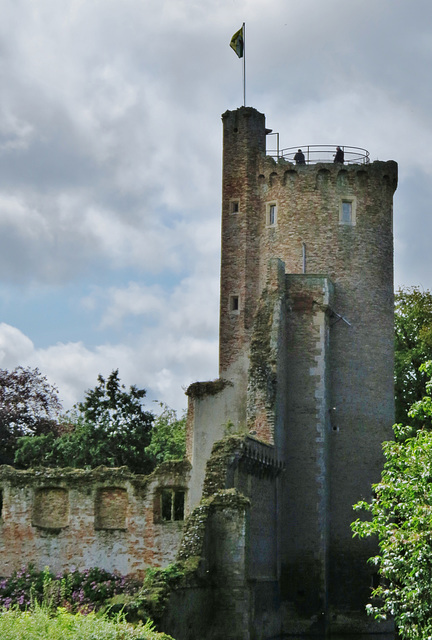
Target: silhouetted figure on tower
(299,157)
(339,156)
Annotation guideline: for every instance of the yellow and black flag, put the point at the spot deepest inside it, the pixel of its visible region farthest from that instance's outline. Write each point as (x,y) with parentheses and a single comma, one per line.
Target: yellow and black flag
(237,43)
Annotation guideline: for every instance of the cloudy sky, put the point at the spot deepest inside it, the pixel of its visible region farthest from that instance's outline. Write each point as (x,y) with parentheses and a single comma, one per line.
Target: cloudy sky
(110,163)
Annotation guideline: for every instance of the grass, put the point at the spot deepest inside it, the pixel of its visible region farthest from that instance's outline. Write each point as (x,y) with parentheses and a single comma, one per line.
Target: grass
(39,624)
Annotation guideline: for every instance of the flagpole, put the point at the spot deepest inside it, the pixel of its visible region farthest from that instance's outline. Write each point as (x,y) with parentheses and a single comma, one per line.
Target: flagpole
(244,64)
(237,44)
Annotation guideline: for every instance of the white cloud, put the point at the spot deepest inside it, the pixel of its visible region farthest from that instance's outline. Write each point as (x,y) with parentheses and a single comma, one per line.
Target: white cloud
(163,364)
(14,346)
(134,300)
(27,221)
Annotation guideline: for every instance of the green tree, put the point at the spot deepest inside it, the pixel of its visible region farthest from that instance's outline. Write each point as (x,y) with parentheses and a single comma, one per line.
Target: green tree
(110,427)
(29,406)
(168,437)
(413,345)
(401,519)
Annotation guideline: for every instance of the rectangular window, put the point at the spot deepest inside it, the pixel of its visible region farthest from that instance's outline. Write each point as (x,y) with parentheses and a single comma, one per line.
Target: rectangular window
(234,206)
(347,211)
(166,499)
(172,504)
(272,214)
(234,304)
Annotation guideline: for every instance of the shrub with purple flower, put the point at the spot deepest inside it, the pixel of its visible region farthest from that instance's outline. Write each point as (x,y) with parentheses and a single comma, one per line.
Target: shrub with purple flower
(76,591)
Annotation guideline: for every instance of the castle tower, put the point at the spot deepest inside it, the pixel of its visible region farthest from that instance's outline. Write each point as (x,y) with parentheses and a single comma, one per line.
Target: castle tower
(244,146)
(330,403)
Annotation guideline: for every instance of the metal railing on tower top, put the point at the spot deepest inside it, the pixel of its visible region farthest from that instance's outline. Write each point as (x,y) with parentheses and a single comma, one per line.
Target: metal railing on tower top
(315,153)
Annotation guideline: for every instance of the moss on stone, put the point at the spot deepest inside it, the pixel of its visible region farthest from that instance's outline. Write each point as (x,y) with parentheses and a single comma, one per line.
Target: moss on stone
(224,454)
(189,570)
(209,388)
(260,351)
(71,477)
(152,599)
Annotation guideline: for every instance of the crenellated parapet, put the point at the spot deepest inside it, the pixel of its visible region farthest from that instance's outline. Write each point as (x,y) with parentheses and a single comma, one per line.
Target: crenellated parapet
(282,172)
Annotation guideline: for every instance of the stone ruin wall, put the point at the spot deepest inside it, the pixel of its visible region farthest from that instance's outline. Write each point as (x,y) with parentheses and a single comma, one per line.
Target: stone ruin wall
(232,538)
(70,518)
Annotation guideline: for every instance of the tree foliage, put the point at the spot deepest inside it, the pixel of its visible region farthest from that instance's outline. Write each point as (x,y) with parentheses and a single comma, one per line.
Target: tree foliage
(110,427)
(401,518)
(168,441)
(413,346)
(29,406)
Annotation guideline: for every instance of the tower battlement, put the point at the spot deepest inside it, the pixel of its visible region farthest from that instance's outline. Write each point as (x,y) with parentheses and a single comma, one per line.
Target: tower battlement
(284,171)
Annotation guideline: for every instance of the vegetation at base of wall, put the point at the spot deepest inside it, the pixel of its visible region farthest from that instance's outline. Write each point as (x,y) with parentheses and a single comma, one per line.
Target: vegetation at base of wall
(76,591)
(150,601)
(400,516)
(158,584)
(40,624)
(96,591)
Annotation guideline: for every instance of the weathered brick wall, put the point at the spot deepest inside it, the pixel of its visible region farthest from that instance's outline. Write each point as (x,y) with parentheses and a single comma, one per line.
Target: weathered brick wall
(108,518)
(244,142)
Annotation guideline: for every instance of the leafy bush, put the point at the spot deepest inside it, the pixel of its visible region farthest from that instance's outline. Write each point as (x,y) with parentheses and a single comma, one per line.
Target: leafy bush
(168,437)
(40,624)
(149,602)
(76,591)
(401,519)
